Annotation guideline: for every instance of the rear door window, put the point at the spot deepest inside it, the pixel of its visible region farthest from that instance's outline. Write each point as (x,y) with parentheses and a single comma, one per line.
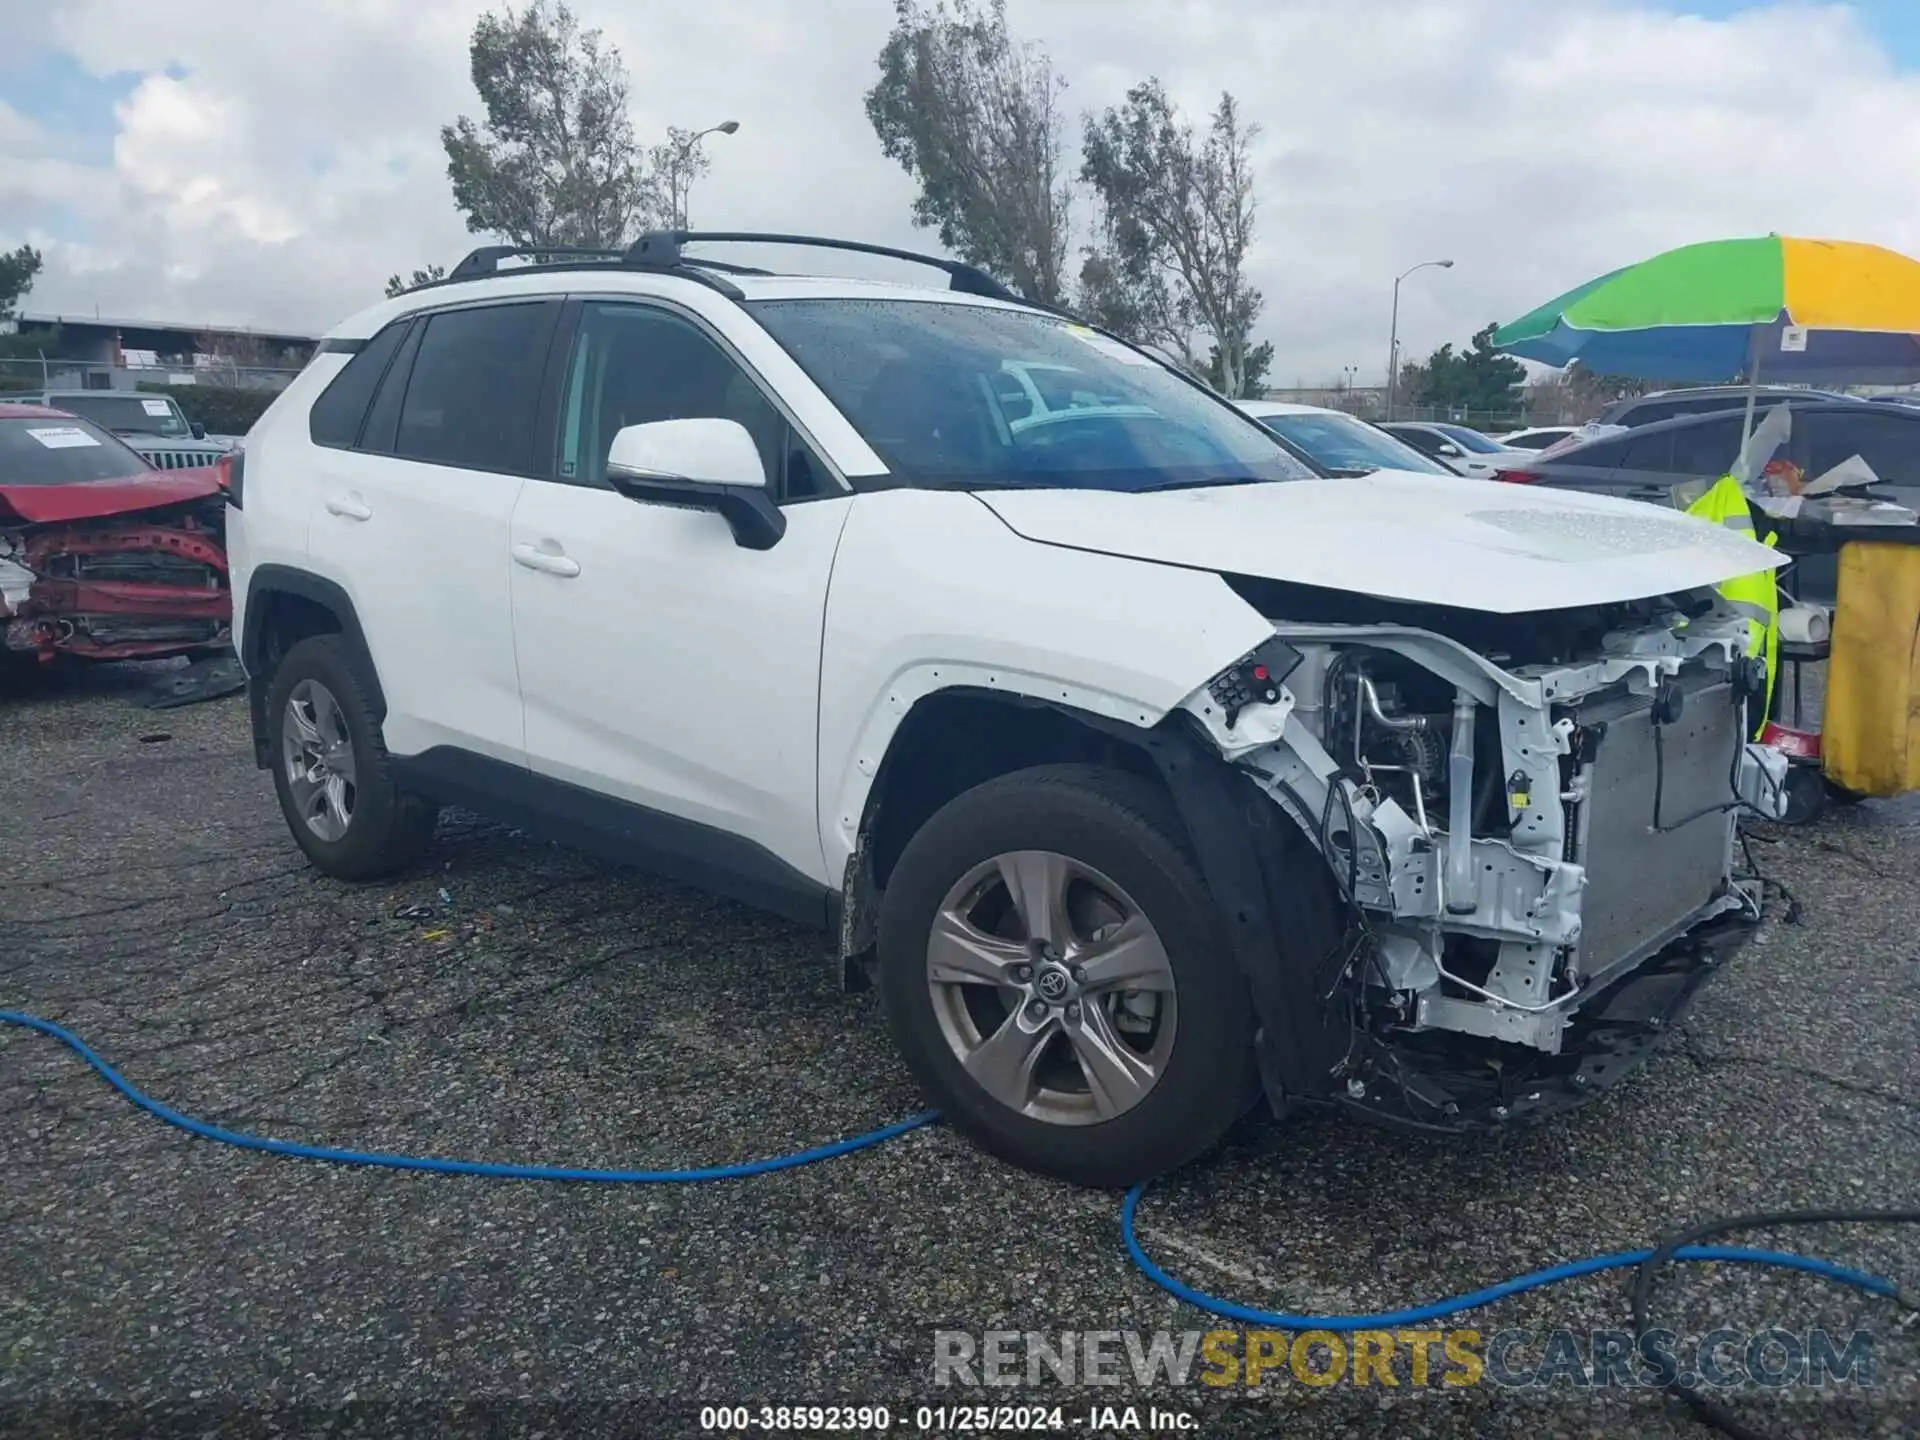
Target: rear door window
(1651,413)
(474,390)
(335,417)
(1706,449)
(1888,441)
(1425,441)
(1605,455)
(383,420)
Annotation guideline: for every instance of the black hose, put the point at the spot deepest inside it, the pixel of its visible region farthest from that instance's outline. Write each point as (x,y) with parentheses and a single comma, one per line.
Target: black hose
(1711,1411)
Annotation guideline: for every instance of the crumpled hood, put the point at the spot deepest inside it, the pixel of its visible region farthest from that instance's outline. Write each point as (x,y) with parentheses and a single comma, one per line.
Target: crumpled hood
(1427,539)
(93,499)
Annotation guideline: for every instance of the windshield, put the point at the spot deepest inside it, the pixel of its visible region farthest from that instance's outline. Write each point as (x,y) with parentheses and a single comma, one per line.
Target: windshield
(128,414)
(1470,439)
(945,394)
(1340,442)
(61,451)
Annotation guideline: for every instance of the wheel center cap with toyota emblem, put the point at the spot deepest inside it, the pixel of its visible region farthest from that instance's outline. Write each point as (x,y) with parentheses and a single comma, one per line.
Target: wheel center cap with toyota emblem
(1053,983)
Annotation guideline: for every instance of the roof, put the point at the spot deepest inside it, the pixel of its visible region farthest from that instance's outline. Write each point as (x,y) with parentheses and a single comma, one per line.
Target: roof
(558,280)
(1844,405)
(1259,408)
(657,264)
(1763,388)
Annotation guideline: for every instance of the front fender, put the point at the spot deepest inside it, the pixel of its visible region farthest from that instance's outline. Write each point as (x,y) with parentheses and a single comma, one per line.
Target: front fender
(931,591)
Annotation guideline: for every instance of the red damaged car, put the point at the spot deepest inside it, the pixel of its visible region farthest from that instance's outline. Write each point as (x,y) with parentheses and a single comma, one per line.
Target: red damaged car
(101,555)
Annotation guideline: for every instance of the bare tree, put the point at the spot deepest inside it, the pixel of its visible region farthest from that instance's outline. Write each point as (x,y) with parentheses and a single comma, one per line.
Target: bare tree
(974,116)
(555,162)
(676,163)
(223,357)
(1178,213)
(1576,394)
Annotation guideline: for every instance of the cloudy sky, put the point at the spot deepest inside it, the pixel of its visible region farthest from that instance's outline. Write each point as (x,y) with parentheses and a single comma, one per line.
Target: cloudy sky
(239,162)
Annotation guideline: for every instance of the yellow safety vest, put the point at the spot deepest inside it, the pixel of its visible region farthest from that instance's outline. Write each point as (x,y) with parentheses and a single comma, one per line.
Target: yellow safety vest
(1755,596)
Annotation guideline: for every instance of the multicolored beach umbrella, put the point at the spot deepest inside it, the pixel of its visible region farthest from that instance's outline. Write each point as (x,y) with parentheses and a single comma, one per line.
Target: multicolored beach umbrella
(1830,312)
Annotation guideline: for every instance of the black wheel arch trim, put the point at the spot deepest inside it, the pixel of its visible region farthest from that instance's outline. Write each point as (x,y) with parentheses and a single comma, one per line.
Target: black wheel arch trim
(1250,853)
(265,582)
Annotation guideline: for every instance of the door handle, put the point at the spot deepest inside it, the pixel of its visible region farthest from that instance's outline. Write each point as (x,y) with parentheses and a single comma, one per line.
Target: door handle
(349,507)
(547,562)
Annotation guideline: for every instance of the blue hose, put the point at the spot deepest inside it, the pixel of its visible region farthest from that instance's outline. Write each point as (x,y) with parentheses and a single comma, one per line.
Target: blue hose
(1518,1285)
(388,1161)
(1246,1314)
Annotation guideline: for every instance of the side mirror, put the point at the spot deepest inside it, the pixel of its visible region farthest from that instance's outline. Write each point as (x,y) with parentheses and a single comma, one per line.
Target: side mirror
(199,430)
(699,464)
(1448,449)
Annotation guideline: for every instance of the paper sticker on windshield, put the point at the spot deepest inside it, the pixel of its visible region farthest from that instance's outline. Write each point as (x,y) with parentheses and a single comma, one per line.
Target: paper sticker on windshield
(157,407)
(1112,349)
(61,437)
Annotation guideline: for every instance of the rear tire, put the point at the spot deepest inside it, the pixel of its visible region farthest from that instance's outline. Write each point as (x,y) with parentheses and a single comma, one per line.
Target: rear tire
(331,769)
(1840,795)
(1113,1048)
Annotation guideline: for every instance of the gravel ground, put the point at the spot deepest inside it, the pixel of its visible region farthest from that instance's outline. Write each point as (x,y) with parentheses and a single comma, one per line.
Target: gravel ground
(553,1009)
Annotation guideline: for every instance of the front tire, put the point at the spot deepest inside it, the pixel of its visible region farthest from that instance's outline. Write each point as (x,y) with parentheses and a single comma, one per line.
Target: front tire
(331,769)
(1057,977)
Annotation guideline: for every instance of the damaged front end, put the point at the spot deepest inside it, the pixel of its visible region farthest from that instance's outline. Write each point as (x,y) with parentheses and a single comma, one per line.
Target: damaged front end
(1531,820)
(118,586)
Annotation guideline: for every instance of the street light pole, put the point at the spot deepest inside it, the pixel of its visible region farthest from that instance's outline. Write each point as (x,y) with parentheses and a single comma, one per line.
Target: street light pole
(683,176)
(1393,340)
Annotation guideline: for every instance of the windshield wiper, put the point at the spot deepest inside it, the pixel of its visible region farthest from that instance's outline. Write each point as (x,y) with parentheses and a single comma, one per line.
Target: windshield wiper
(1203,484)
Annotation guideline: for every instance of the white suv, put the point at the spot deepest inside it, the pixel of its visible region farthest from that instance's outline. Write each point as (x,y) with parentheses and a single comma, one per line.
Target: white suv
(1146,770)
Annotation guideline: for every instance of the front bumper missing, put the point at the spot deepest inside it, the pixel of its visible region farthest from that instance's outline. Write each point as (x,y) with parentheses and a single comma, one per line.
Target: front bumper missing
(1618,837)
(1449,1083)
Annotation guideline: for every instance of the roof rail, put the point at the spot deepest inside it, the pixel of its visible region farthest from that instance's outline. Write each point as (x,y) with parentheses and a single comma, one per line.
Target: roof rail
(661,249)
(486,261)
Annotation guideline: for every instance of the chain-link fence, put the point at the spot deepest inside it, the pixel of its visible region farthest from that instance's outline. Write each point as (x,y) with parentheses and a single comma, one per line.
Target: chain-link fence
(1370,403)
(56,374)
(1537,404)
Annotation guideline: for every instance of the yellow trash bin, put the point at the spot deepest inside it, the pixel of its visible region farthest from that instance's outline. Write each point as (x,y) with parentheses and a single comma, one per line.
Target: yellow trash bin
(1870,733)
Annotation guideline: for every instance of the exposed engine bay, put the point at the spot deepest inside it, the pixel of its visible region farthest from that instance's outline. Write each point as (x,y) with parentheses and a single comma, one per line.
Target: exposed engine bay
(116,587)
(1527,817)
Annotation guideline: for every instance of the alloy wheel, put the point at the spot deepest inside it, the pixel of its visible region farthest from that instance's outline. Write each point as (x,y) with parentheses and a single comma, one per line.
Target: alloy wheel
(1052,988)
(317,751)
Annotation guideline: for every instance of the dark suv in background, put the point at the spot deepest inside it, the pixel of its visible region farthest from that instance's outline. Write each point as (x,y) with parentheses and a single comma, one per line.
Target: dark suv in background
(1647,462)
(1702,400)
